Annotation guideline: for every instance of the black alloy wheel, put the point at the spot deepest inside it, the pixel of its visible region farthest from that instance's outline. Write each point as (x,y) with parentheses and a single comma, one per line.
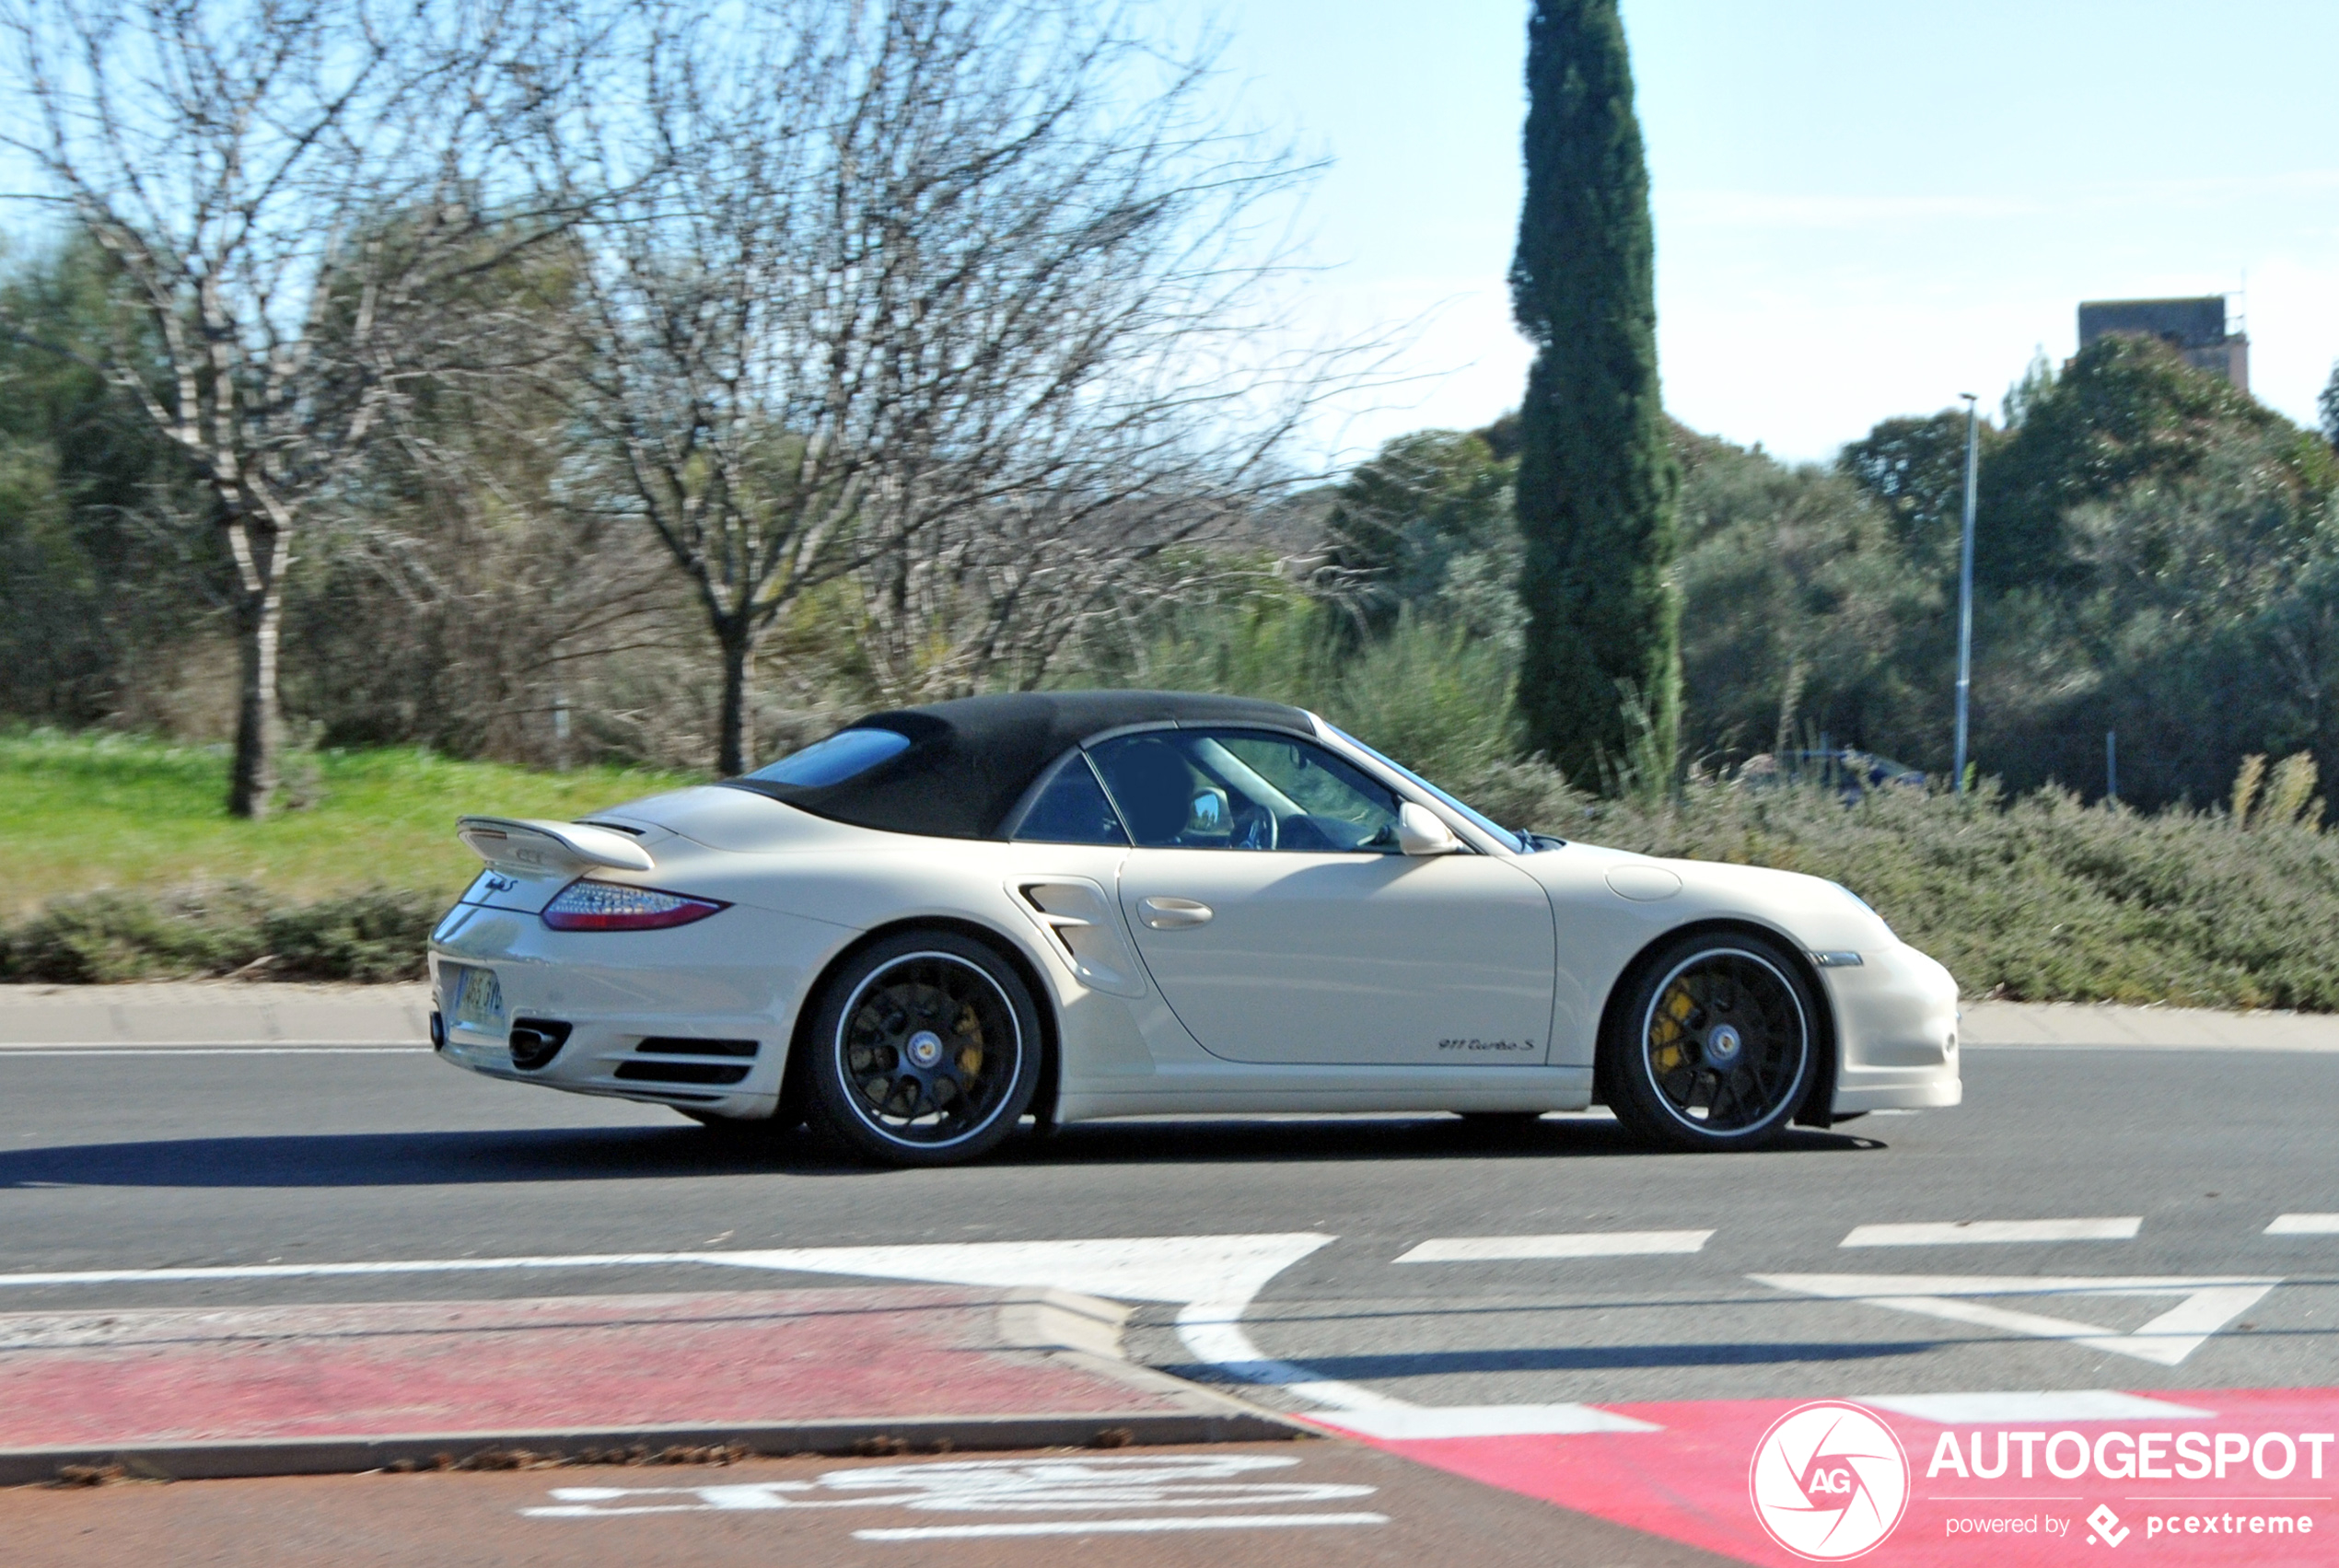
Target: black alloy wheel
(925,1050)
(1715,1046)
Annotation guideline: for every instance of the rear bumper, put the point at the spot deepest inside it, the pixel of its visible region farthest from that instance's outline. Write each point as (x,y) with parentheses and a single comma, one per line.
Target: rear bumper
(1896,1016)
(734,981)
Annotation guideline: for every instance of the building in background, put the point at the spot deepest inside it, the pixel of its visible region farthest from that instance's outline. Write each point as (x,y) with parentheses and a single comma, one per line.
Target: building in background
(2194,327)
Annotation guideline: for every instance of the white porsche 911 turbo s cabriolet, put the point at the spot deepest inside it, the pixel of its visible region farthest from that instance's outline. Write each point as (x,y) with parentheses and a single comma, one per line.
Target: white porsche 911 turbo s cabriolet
(1079,905)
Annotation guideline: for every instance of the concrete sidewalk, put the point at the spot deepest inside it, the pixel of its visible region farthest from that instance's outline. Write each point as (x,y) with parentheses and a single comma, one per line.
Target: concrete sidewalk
(284,1390)
(2098,1027)
(211,1012)
(218,1013)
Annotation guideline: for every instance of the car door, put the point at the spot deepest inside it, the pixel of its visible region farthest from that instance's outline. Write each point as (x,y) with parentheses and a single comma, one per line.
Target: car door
(1273,910)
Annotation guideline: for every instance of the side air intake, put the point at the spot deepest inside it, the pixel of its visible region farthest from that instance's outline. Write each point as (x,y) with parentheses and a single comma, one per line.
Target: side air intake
(675,1045)
(682,1072)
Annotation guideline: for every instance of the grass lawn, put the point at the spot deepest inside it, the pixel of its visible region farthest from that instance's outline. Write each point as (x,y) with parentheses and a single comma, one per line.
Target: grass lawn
(79,813)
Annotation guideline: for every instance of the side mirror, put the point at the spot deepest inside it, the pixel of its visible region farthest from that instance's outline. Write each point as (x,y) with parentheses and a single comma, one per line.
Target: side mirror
(1419,831)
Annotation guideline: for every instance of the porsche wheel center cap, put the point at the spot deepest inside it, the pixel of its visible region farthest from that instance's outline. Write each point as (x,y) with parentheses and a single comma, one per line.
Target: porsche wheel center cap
(924,1047)
(1724,1046)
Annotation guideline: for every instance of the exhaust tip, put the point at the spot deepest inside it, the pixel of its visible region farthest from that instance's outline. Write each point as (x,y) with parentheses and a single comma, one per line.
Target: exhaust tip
(535,1042)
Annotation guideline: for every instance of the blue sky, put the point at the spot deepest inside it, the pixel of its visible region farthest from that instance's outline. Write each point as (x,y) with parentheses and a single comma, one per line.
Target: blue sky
(1862,209)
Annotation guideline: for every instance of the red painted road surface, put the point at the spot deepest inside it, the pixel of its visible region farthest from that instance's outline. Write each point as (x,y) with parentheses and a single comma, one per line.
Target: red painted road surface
(1274,1505)
(95,1380)
(1690,1482)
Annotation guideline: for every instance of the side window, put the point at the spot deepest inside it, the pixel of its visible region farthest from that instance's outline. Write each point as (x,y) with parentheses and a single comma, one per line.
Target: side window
(1244,790)
(1072,810)
(1334,806)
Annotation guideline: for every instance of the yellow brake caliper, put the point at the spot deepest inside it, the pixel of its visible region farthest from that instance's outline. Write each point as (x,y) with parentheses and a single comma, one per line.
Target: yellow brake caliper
(970,1030)
(1666,1030)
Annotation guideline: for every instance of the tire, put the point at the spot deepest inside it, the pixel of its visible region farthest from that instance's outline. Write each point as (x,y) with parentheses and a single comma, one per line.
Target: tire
(923,1049)
(1716,1045)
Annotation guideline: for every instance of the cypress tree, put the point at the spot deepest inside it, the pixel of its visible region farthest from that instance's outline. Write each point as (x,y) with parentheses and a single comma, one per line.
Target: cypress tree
(1601,684)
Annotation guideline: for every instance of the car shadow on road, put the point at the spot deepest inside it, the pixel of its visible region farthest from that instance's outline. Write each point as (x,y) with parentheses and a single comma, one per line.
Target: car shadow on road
(1233,1139)
(632,1154)
(392,1160)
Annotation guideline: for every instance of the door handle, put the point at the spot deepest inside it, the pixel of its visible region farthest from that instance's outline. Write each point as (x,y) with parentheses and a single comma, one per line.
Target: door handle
(1172,914)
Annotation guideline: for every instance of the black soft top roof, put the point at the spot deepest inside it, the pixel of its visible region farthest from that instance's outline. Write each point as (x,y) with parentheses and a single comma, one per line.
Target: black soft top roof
(971,760)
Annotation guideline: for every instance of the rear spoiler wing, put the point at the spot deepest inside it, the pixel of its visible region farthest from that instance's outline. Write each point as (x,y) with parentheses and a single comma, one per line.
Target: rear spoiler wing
(532,844)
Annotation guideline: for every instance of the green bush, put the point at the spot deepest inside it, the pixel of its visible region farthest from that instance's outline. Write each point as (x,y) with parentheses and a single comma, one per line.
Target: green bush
(111,936)
(2037,899)
(373,936)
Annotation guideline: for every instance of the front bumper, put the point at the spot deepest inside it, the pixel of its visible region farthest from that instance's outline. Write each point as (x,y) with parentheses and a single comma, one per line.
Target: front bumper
(1896,1016)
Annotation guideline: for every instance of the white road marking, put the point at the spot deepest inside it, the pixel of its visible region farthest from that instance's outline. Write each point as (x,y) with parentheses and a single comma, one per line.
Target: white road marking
(1052,1484)
(2076,1404)
(403,1043)
(1160,1268)
(1119,1527)
(1569,1244)
(2304,1225)
(1224,1271)
(1412,1422)
(7,1051)
(2208,1306)
(1960,1232)
(1212,1331)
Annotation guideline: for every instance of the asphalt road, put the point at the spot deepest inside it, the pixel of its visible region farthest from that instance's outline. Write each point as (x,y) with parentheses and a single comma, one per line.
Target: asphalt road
(113,1161)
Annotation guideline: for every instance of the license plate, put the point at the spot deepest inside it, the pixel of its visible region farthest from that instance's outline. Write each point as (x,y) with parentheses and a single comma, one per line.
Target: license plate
(474,998)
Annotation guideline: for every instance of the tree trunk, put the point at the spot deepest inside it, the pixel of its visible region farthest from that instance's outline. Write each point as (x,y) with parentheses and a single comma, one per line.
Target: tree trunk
(258,626)
(735,744)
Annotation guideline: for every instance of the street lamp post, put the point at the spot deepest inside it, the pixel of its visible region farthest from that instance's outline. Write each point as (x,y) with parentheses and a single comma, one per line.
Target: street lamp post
(1965,581)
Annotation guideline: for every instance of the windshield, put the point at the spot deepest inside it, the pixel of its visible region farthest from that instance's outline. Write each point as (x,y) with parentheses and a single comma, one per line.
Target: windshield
(1517,843)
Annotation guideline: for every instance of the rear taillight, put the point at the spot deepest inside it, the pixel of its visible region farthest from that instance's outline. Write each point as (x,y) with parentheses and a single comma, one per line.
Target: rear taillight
(586,905)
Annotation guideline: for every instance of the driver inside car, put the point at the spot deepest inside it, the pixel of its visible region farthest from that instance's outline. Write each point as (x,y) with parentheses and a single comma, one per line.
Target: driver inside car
(1156,791)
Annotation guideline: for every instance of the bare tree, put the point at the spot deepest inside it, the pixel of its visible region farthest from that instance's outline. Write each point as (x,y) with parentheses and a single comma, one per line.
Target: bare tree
(289,189)
(942,302)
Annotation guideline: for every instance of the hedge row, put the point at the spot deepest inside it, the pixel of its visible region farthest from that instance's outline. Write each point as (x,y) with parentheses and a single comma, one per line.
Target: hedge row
(2036,899)
(96,938)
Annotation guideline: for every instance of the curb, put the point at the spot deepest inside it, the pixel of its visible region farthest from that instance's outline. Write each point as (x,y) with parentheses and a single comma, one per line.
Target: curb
(1081,1332)
(245,1459)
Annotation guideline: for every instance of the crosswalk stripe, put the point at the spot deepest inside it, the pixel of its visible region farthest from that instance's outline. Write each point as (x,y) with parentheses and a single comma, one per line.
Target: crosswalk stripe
(1117,1527)
(1408,1423)
(1568,1244)
(2304,1225)
(1966,1233)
